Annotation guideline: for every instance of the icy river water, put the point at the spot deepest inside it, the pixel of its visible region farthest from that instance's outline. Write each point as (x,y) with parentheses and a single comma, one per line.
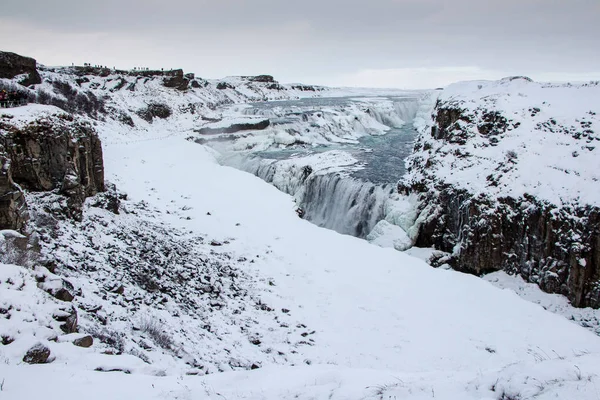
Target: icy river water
(341,158)
(382,155)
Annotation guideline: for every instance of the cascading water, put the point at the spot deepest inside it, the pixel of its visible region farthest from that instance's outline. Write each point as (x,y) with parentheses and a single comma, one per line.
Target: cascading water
(344,204)
(334,200)
(350,186)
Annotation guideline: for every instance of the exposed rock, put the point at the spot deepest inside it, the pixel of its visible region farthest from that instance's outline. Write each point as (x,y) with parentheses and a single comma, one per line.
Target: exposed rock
(63,295)
(126,119)
(306,88)
(224,85)
(13,207)
(512,78)
(124,370)
(6,340)
(70,325)
(446,119)
(57,152)
(155,110)
(177,80)
(86,341)
(38,354)
(12,65)
(258,125)
(262,78)
(110,199)
(557,248)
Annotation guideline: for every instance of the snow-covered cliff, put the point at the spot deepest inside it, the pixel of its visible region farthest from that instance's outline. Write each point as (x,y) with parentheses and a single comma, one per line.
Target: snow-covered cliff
(508,171)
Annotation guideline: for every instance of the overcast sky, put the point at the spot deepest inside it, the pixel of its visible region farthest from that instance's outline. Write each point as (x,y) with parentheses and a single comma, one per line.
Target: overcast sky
(377,43)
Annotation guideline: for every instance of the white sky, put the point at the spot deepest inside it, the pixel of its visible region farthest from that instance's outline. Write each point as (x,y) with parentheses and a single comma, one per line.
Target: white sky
(377,43)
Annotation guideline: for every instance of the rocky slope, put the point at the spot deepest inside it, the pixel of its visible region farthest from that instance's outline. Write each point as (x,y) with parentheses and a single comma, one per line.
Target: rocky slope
(138,97)
(508,177)
(94,269)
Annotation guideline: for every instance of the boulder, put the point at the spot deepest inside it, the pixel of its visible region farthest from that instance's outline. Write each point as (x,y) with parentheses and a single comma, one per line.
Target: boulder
(38,354)
(70,325)
(224,85)
(63,295)
(12,65)
(86,341)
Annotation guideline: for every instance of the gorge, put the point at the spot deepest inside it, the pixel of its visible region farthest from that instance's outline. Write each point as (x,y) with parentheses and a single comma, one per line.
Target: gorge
(138,246)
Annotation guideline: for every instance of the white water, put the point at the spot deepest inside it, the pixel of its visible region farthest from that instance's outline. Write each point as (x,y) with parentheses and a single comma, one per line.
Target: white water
(352,197)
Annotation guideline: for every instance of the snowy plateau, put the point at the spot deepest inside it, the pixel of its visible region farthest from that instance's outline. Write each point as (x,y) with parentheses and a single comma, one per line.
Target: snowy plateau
(141,260)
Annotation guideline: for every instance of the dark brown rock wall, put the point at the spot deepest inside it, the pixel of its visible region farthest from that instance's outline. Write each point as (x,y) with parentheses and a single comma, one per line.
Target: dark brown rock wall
(55,153)
(13,207)
(12,64)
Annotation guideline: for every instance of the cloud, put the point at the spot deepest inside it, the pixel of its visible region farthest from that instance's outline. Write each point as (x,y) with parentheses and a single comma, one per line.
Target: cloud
(413,78)
(428,78)
(314,40)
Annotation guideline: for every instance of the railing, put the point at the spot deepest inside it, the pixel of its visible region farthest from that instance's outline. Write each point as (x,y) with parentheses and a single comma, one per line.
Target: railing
(13,103)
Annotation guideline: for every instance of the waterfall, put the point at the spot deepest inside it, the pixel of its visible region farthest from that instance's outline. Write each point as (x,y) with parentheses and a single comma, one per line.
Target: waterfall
(324,189)
(344,204)
(331,200)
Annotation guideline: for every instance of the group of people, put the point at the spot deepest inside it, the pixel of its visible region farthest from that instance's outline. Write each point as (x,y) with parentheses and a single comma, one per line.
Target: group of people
(11,99)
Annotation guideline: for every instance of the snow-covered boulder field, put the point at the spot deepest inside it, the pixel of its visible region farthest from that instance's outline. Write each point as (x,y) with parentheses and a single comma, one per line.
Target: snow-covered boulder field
(509,176)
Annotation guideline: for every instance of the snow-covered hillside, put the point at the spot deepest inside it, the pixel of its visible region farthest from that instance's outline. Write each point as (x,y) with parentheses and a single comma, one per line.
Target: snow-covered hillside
(356,309)
(515,137)
(189,279)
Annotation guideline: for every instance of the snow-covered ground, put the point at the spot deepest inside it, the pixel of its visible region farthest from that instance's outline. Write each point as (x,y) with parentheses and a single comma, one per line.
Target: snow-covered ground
(360,321)
(533,138)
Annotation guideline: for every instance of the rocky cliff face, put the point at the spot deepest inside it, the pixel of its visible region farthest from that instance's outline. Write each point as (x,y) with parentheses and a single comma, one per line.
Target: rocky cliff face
(557,248)
(13,208)
(54,151)
(24,68)
(508,180)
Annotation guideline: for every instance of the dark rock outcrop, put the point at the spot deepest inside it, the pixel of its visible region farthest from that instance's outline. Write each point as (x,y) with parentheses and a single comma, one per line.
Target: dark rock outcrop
(262,78)
(12,65)
(447,118)
(306,88)
(176,79)
(155,110)
(556,248)
(55,153)
(233,128)
(13,207)
(224,85)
